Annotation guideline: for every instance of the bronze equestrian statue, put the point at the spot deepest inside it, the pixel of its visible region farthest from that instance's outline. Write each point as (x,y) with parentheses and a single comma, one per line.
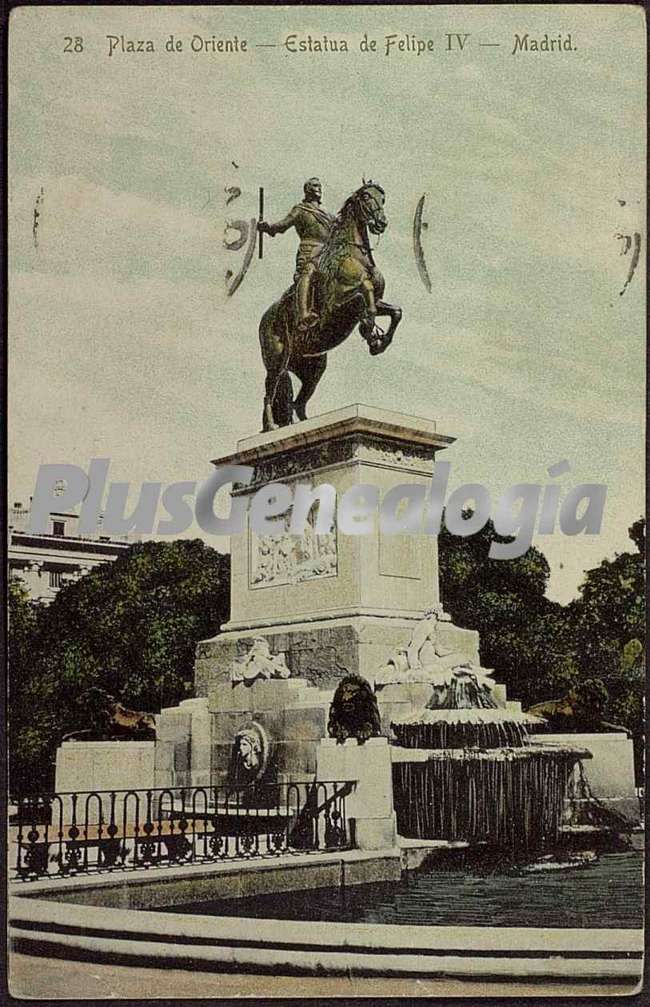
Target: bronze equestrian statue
(338,272)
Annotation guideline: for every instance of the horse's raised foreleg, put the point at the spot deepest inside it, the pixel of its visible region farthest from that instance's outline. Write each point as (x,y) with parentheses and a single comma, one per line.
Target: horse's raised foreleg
(367,325)
(310,370)
(395,314)
(377,340)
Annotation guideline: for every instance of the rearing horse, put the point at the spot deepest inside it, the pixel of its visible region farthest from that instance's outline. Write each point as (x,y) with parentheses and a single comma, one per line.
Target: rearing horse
(347,290)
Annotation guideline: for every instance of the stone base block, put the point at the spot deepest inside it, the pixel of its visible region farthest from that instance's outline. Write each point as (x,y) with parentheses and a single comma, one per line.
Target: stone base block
(371,802)
(306,724)
(182,756)
(610,771)
(263,694)
(102,766)
(173,723)
(322,652)
(369,766)
(295,759)
(398,699)
(375,833)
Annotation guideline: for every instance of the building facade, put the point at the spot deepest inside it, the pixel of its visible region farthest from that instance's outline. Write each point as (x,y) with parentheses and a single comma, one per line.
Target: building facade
(45,562)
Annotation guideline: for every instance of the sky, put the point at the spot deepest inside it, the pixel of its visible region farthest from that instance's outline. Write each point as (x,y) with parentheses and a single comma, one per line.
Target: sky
(122,342)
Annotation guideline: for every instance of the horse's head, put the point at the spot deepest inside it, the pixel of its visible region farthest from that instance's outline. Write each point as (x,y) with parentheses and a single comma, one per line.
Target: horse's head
(368,204)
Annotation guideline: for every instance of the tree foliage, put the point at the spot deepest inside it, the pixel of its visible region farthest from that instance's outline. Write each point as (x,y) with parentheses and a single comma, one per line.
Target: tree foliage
(32,720)
(524,635)
(593,648)
(609,627)
(128,627)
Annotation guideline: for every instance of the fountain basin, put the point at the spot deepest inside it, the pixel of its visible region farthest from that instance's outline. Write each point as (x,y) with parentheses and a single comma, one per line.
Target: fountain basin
(288,939)
(514,797)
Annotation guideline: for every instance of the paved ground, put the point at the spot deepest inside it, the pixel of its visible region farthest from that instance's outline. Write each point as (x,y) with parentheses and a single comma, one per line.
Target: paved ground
(52,979)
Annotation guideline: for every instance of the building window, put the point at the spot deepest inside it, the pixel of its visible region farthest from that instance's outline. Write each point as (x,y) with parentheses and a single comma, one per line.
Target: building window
(56,578)
(58,528)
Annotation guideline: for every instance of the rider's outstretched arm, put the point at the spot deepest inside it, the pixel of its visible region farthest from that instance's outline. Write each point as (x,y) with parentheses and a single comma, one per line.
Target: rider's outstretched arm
(281,226)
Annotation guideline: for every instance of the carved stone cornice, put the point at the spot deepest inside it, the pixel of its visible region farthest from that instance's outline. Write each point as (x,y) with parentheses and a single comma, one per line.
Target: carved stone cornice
(305,463)
(355,434)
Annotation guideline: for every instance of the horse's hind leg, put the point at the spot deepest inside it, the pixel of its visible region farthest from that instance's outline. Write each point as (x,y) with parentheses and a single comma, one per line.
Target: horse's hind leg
(268,423)
(310,370)
(278,399)
(278,390)
(283,404)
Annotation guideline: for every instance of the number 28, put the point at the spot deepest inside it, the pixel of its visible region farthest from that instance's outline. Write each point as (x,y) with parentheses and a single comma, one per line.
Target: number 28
(73,44)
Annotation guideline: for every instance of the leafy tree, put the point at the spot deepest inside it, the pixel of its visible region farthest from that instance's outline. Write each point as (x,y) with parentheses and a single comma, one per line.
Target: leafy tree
(637,534)
(524,635)
(611,611)
(592,648)
(590,698)
(32,719)
(609,627)
(129,628)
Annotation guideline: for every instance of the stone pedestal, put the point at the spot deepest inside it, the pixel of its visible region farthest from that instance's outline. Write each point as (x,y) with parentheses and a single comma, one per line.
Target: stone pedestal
(335,603)
(183,746)
(102,766)
(609,771)
(371,803)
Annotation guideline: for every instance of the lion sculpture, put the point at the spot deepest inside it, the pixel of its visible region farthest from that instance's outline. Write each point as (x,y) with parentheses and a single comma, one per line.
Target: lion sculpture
(580,710)
(109,720)
(354,712)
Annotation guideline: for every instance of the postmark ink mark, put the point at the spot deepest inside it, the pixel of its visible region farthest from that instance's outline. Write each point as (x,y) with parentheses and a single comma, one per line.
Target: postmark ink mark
(630,242)
(37,215)
(418,251)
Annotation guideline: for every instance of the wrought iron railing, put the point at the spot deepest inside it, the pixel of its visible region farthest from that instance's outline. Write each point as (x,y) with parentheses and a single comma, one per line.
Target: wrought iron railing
(87,832)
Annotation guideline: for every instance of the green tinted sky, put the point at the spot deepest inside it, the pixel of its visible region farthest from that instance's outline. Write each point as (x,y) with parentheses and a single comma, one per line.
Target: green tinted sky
(122,341)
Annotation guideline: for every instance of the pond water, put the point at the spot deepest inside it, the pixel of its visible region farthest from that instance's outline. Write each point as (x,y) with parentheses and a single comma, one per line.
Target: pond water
(605,893)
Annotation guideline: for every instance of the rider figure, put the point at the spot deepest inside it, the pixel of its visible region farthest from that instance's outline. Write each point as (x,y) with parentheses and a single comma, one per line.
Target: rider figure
(313,225)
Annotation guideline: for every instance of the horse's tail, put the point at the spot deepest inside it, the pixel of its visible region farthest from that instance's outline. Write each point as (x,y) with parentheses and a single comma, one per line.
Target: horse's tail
(273,328)
(265,332)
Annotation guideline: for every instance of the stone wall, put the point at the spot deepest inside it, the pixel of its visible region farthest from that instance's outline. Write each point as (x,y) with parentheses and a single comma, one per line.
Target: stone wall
(183,745)
(610,771)
(292,713)
(101,766)
(370,805)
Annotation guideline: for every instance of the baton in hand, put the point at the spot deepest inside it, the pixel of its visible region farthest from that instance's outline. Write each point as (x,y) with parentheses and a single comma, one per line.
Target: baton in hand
(260,233)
